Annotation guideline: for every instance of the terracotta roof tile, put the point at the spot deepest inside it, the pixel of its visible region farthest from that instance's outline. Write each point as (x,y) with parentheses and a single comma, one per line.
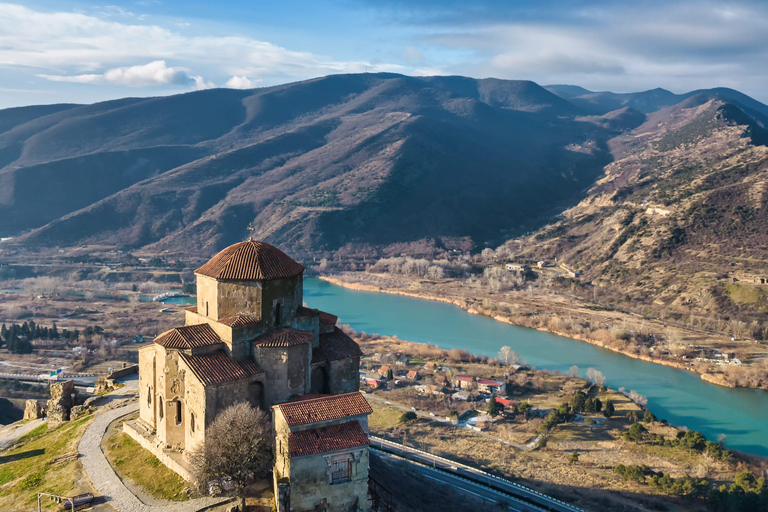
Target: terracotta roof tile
(326,439)
(217,367)
(189,336)
(192,309)
(314,410)
(325,318)
(250,261)
(240,320)
(284,338)
(334,346)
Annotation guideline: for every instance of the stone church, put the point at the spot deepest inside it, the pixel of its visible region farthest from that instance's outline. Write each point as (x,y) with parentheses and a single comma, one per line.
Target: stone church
(250,338)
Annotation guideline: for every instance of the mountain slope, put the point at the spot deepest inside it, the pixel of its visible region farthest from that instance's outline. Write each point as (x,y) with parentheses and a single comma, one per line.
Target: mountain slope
(371,159)
(680,217)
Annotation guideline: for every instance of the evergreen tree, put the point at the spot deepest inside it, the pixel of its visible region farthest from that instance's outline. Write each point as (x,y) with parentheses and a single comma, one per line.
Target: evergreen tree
(609,408)
(578,401)
(494,407)
(54,331)
(648,417)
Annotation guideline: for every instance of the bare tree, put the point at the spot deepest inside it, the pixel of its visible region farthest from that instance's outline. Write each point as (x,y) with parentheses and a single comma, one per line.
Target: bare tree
(237,448)
(508,356)
(573,371)
(596,376)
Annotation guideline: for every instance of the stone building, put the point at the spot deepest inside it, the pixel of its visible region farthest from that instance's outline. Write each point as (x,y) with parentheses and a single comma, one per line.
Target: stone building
(249,338)
(321,453)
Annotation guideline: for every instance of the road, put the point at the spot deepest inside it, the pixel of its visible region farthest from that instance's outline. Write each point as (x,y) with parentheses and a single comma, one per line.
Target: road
(490,483)
(79,380)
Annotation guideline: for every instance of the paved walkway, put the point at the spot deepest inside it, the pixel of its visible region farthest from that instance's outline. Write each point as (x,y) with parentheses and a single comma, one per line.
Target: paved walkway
(103,477)
(10,433)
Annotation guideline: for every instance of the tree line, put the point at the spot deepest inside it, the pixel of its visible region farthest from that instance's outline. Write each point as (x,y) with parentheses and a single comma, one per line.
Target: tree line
(17,338)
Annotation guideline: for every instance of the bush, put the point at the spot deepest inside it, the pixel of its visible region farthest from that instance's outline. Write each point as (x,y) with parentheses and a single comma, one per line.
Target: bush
(636,432)
(633,472)
(408,416)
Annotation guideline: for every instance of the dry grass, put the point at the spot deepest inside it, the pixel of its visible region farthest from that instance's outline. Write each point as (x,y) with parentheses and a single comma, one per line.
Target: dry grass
(29,466)
(136,464)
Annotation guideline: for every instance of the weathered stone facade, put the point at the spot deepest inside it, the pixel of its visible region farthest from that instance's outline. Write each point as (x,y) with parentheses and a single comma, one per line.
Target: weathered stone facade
(249,338)
(62,400)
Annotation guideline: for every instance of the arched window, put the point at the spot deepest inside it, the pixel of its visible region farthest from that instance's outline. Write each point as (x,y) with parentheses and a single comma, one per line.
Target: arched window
(160,406)
(192,422)
(178,412)
(149,396)
(278,313)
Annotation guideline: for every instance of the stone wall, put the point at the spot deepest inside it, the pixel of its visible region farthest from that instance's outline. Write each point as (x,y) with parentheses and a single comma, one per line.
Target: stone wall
(287,371)
(61,401)
(310,485)
(33,410)
(148,385)
(345,376)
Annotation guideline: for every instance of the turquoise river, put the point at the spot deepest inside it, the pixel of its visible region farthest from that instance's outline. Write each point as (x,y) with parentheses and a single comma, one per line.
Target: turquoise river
(675,395)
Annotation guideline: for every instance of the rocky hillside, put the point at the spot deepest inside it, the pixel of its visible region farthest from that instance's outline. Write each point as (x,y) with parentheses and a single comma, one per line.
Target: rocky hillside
(380,162)
(680,217)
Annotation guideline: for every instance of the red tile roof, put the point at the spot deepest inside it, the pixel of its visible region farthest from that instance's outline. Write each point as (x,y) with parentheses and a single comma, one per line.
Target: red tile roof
(240,320)
(464,378)
(192,309)
(325,318)
(189,336)
(284,338)
(250,261)
(326,439)
(314,410)
(335,345)
(217,367)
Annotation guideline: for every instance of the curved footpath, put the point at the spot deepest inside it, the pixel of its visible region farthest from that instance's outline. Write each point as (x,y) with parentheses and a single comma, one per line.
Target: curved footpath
(103,477)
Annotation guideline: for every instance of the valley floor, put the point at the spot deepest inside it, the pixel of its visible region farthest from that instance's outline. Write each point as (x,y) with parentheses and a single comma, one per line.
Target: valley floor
(568,315)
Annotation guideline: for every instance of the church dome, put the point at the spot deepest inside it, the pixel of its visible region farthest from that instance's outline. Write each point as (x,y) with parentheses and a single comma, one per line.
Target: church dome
(250,261)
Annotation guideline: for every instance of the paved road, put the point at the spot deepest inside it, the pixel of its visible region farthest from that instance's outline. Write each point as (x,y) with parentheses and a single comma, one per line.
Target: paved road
(101,474)
(83,381)
(485,480)
(483,492)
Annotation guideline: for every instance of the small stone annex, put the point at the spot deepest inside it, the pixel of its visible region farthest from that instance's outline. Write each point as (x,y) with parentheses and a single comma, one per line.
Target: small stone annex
(250,338)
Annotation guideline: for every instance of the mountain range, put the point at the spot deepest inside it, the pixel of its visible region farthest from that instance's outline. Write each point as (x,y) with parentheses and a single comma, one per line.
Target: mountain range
(377,162)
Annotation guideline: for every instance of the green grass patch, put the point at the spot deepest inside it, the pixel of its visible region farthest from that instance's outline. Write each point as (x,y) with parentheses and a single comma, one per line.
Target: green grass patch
(28,466)
(383,416)
(132,461)
(743,294)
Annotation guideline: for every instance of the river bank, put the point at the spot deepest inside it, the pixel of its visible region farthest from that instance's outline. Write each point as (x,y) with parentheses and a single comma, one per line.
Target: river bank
(470,305)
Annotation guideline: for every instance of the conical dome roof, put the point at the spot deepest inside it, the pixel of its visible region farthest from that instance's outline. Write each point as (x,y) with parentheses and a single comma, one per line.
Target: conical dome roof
(250,261)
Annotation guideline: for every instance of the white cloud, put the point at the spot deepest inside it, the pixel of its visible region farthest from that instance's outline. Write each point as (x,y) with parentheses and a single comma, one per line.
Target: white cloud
(154,73)
(241,82)
(81,48)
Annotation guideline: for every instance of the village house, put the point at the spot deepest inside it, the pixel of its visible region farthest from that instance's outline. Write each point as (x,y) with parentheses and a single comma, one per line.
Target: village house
(412,375)
(249,339)
(493,387)
(463,382)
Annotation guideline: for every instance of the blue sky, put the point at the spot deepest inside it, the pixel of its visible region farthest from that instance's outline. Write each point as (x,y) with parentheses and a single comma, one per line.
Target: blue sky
(63,51)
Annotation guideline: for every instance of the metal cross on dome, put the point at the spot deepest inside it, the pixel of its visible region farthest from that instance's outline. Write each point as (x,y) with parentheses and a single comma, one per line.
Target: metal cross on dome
(252,231)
